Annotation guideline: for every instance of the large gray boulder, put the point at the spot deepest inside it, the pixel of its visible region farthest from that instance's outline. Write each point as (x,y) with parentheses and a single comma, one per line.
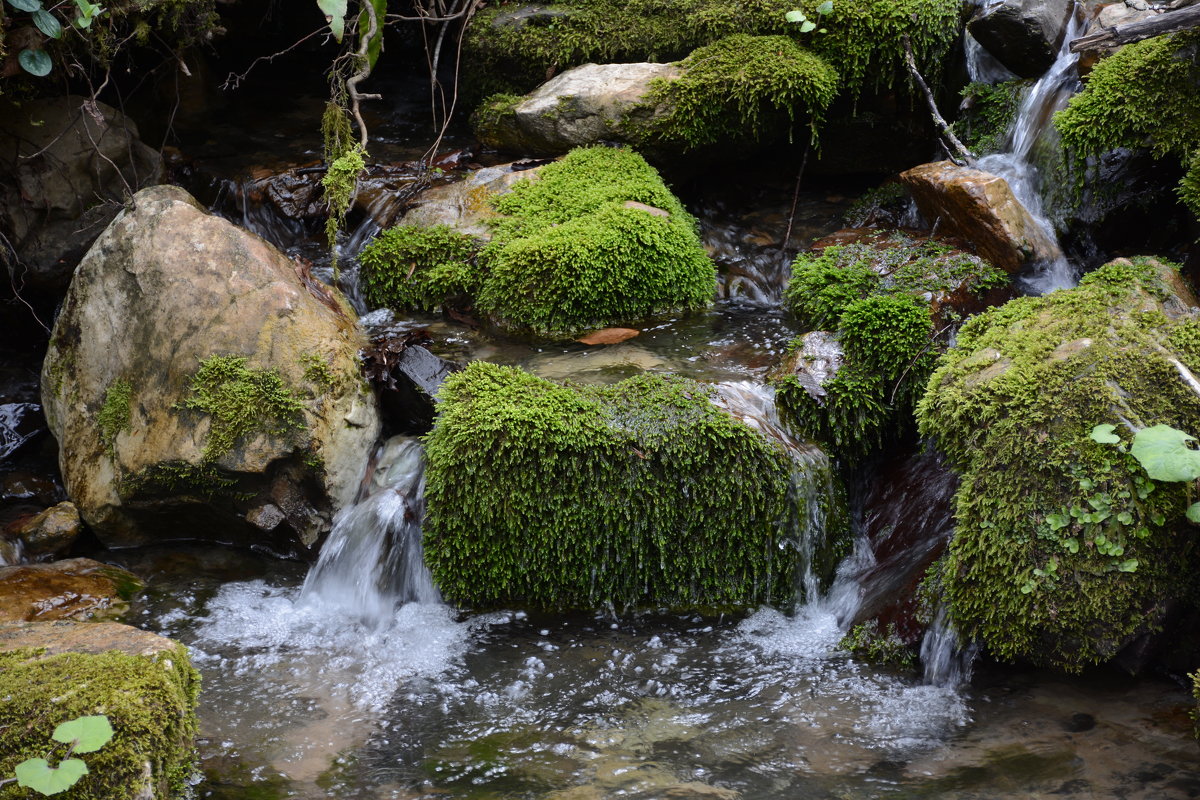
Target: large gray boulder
(202,385)
(66,166)
(1023,35)
(588,104)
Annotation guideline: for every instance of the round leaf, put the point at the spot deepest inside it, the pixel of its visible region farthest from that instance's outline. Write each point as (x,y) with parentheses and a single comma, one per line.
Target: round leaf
(335,15)
(826,7)
(47,23)
(1193,512)
(37,774)
(807,26)
(35,62)
(88,733)
(1104,434)
(1164,453)
(795,15)
(26,5)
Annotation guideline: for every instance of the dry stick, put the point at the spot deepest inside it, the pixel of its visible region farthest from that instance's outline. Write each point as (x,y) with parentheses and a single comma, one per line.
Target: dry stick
(912,363)
(469,6)
(962,151)
(364,71)
(1171,22)
(787,236)
(234,80)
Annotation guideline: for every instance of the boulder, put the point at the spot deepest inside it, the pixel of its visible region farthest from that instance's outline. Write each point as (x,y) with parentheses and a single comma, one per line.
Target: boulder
(67,165)
(1065,551)
(49,532)
(584,105)
(195,376)
(466,205)
(1023,35)
(53,672)
(75,589)
(980,208)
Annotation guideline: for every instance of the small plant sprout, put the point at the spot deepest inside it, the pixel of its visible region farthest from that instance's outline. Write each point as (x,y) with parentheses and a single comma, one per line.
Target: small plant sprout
(806,24)
(81,735)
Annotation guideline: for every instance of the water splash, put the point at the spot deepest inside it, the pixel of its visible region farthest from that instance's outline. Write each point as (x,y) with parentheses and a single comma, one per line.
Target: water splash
(945,660)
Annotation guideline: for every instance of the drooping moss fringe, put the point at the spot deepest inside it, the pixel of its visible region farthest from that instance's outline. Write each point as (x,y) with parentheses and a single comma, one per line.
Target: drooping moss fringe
(641,493)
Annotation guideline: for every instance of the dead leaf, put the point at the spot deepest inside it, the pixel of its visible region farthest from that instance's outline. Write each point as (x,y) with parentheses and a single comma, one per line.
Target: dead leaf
(608,336)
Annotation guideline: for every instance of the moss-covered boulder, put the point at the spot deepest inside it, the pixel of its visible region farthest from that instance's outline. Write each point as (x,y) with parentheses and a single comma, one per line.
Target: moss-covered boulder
(1065,550)
(640,493)
(593,240)
(52,672)
(203,385)
(876,298)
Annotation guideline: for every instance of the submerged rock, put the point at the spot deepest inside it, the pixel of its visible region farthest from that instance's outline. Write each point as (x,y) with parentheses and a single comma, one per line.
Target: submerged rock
(980,208)
(639,493)
(77,589)
(1065,551)
(52,672)
(195,375)
(1023,35)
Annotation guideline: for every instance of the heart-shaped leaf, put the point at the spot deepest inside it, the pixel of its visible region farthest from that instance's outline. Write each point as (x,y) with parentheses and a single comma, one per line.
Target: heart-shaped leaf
(1104,434)
(88,734)
(35,62)
(335,15)
(37,774)
(826,7)
(26,5)
(1164,453)
(47,23)
(807,26)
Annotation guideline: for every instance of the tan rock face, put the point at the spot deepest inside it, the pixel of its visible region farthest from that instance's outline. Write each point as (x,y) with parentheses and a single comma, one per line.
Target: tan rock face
(75,589)
(166,287)
(51,531)
(466,205)
(980,208)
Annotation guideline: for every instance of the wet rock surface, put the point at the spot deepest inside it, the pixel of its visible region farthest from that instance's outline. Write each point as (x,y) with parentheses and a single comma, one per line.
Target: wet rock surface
(77,589)
(1023,35)
(50,532)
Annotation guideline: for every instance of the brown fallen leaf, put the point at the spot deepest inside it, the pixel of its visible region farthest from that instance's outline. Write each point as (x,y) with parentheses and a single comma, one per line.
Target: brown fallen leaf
(608,336)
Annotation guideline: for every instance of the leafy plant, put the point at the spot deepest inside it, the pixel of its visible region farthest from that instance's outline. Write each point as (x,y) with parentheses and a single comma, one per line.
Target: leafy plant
(1164,452)
(806,24)
(81,735)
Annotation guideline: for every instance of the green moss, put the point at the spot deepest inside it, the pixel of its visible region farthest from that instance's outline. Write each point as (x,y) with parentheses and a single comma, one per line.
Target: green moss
(1146,94)
(239,401)
(172,478)
(889,199)
(989,111)
(150,702)
(1046,516)
(492,112)
(114,414)
(414,268)
(574,250)
(878,645)
(728,88)
(640,493)
(317,372)
(875,297)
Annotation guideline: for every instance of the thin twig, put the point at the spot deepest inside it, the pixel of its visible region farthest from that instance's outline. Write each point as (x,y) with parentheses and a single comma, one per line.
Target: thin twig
(787,236)
(963,153)
(364,72)
(234,80)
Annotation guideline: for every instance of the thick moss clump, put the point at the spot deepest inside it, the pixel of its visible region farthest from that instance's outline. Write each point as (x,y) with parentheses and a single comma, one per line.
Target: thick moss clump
(414,268)
(150,702)
(1065,550)
(1147,93)
(728,88)
(863,38)
(640,493)
(876,299)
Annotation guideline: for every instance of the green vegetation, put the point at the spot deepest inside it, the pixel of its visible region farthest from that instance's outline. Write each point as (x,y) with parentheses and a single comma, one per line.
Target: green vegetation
(413,268)
(639,493)
(114,415)
(875,297)
(1146,94)
(81,735)
(873,643)
(177,477)
(240,400)
(889,200)
(317,373)
(728,88)
(1065,548)
(990,110)
(150,702)
(595,239)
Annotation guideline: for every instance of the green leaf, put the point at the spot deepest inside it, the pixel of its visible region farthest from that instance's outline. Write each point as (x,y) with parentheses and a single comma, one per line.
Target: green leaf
(1128,566)
(1057,521)
(807,26)
(37,774)
(26,5)
(1193,512)
(89,734)
(795,15)
(1125,518)
(1164,453)
(35,62)
(335,15)
(1104,434)
(47,23)
(1071,544)
(825,8)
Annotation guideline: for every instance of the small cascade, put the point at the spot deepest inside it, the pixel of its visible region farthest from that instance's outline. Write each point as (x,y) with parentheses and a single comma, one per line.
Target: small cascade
(813,491)
(373,561)
(1032,139)
(982,66)
(946,663)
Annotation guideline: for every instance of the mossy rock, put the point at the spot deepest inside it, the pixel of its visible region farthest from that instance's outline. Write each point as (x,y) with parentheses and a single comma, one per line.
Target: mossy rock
(144,684)
(642,493)
(596,239)
(1065,550)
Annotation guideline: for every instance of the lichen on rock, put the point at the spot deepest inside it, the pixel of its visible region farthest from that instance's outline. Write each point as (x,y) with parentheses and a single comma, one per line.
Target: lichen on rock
(1065,551)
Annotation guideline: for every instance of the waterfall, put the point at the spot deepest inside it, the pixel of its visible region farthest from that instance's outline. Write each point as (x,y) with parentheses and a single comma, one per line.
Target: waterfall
(982,66)
(945,663)
(1030,136)
(373,561)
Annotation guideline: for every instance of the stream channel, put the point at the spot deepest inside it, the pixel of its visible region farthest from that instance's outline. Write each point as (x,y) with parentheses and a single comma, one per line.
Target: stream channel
(359,683)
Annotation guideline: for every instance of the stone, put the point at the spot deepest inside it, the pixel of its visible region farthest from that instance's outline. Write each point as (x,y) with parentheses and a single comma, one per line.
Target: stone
(465,205)
(67,165)
(75,589)
(52,672)
(814,362)
(1023,35)
(582,106)
(51,531)
(980,208)
(168,295)
(608,336)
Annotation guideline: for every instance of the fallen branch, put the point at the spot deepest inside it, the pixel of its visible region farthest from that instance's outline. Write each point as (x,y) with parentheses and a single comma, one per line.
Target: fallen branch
(1170,22)
(955,146)
(364,72)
